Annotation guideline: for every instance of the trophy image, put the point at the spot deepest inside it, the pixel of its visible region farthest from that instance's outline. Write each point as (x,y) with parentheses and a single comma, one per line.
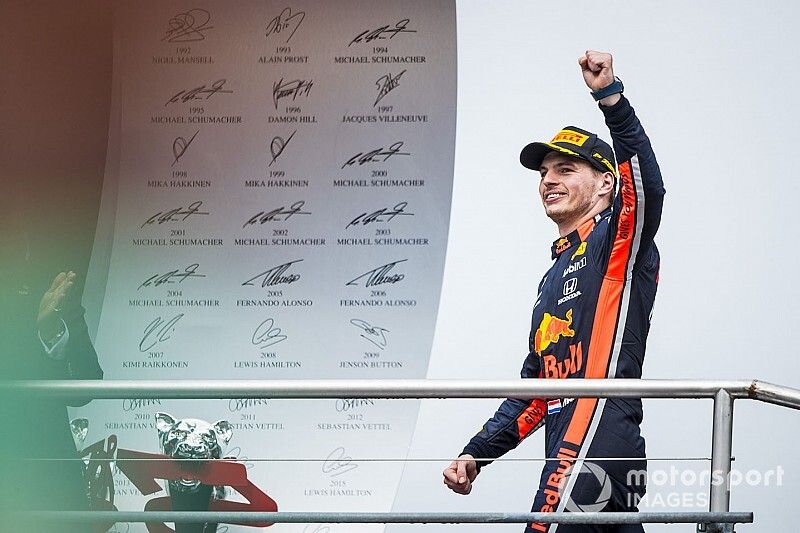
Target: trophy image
(97,470)
(192,442)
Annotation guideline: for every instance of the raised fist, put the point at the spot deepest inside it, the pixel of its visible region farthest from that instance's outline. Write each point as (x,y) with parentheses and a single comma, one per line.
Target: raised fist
(597,69)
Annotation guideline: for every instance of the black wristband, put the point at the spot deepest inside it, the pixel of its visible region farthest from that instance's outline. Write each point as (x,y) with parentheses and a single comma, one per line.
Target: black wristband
(616,87)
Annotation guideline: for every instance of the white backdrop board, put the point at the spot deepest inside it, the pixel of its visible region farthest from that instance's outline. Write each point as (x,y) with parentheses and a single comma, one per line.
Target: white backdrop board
(279,186)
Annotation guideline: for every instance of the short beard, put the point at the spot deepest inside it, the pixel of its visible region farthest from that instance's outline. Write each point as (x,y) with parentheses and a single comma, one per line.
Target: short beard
(558,217)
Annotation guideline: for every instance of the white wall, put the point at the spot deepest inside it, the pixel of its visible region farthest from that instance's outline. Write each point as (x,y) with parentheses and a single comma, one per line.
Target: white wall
(715,86)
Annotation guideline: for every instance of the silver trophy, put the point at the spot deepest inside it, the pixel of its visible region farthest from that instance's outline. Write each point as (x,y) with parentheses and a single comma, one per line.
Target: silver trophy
(97,465)
(79,428)
(192,442)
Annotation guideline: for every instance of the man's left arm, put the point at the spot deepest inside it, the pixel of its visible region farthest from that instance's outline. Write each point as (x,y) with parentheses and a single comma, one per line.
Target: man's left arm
(632,147)
(633,150)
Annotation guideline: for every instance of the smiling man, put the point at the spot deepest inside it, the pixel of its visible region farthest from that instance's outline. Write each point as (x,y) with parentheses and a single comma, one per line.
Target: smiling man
(591,317)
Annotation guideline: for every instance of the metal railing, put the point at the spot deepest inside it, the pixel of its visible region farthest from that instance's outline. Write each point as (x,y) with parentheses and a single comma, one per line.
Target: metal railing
(724,393)
(107,517)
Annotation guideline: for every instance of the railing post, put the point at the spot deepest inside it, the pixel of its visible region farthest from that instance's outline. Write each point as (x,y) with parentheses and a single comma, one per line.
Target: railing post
(721,452)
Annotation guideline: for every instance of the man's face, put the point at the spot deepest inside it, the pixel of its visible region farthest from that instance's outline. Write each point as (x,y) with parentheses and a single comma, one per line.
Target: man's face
(571,188)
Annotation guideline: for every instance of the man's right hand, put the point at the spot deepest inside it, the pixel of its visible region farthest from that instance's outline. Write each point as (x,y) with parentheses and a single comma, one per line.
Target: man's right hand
(460,474)
(48,319)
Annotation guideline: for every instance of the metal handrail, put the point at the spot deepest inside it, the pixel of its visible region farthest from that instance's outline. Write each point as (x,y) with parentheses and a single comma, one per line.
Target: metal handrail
(408,388)
(722,392)
(391,518)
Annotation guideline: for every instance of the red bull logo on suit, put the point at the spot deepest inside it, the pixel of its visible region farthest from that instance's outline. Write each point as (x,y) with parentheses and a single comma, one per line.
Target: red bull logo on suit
(551,329)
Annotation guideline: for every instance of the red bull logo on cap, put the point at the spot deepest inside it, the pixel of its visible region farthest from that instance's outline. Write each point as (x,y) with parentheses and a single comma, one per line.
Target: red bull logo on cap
(550,330)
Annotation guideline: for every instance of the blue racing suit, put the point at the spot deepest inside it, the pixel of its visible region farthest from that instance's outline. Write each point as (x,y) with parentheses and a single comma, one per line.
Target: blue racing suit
(590,320)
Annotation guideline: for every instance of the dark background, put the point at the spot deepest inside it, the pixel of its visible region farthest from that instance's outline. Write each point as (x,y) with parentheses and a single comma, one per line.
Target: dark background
(55,93)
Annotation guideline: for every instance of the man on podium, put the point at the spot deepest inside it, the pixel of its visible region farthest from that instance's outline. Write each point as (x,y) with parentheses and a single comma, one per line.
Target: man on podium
(591,317)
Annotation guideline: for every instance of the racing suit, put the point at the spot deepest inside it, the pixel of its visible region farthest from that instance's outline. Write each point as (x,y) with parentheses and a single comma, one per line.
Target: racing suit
(590,320)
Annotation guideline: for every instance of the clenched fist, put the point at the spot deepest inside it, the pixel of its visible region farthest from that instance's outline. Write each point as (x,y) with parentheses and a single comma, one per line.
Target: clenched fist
(597,69)
(460,474)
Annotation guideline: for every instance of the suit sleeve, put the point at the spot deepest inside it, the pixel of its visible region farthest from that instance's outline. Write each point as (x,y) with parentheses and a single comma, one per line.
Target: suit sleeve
(640,199)
(56,351)
(79,351)
(511,424)
(80,356)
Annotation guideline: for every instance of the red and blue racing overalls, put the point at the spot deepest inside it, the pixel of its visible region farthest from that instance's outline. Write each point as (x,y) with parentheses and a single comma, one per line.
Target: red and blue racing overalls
(590,320)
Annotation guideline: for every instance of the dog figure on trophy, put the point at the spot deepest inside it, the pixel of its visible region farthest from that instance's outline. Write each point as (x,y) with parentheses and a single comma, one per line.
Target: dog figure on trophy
(192,442)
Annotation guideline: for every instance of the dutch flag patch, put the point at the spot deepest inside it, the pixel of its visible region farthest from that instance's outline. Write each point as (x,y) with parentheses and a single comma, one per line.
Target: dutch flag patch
(553,406)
